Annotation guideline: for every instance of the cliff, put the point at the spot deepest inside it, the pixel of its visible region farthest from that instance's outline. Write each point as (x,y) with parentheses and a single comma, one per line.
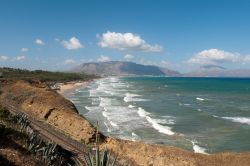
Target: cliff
(44,104)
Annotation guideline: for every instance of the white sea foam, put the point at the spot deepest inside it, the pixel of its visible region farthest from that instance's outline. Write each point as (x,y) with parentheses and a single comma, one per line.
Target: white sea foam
(160,128)
(108,129)
(113,124)
(197,148)
(153,122)
(93,109)
(105,114)
(142,112)
(165,120)
(184,104)
(131,106)
(242,120)
(130,97)
(200,99)
(104,102)
(108,117)
(135,136)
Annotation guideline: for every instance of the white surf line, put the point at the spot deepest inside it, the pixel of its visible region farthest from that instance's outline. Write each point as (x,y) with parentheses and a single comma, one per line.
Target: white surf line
(162,129)
(197,148)
(200,99)
(242,120)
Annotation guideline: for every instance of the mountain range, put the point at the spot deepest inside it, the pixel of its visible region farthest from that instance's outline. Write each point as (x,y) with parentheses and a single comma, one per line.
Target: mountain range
(121,68)
(217,71)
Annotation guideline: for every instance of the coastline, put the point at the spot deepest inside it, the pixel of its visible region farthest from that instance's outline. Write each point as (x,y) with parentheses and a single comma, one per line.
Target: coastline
(52,108)
(65,88)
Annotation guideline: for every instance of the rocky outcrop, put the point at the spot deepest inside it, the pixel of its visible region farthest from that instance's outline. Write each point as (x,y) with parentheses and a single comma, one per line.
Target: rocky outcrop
(44,104)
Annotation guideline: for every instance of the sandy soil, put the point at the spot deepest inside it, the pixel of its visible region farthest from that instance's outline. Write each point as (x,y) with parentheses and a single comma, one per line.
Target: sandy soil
(71,86)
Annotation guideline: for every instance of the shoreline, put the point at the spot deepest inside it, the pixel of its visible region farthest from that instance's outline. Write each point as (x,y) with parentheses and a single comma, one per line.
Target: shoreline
(196,148)
(54,109)
(68,87)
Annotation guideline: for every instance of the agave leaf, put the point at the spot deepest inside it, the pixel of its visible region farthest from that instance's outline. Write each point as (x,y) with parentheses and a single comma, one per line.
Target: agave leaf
(114,161)
(91,159)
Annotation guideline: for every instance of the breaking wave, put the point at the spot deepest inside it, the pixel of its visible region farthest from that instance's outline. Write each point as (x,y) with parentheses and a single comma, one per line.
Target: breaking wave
(160,128)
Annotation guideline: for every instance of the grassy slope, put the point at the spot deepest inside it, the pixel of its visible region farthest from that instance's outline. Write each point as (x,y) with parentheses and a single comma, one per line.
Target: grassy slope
(47,76)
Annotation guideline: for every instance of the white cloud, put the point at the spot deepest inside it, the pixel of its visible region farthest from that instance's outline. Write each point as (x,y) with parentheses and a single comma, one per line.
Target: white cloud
(19,58)
(128,57)
(3,58)
(24,49)
(246,59)
(69,61)
(103,58)
(39,42)
(162,63)
(72,44)
(57,39)
(215,56)
(126,41)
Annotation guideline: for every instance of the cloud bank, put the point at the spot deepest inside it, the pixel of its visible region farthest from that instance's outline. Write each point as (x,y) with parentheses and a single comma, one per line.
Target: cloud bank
(19,58)
(39,42)
(24,49)
(128,57)
(72,44)
(3,58)
(69,61)
(126,41)
(103,58)
(216,57)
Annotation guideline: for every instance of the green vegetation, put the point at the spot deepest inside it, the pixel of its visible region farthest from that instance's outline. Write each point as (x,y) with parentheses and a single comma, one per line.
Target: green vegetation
(13,127)
(99,158)
(96,157)
(46,76)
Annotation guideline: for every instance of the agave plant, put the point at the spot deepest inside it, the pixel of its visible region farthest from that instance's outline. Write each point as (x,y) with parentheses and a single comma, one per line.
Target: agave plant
(22,119)
(34,143)
(99,158)
(49,153)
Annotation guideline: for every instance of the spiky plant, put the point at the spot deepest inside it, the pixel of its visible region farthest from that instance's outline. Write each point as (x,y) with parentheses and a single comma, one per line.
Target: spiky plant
(23,120)
(99,158)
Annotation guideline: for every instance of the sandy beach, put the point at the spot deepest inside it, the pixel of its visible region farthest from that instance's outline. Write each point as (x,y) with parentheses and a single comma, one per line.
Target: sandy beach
(64,88)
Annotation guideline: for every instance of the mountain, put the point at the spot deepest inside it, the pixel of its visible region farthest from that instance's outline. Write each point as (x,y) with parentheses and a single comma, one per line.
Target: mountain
(217,71)
(120,68)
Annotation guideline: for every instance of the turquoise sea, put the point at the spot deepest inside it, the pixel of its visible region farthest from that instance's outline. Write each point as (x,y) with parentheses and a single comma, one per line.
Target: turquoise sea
(205,115)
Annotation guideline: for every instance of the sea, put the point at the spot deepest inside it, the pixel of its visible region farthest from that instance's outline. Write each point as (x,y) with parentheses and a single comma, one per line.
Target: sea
(204,115)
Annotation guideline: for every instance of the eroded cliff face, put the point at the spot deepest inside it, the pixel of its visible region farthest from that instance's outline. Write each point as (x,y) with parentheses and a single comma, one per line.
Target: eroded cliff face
(44,104)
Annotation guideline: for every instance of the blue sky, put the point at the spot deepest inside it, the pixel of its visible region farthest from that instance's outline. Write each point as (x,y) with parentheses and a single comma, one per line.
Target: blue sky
(178,34)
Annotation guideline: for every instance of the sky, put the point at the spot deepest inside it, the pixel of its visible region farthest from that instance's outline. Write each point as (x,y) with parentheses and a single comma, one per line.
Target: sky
(177,34)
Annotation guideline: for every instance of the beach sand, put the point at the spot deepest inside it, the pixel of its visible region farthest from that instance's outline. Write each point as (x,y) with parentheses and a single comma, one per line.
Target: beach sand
(64,88)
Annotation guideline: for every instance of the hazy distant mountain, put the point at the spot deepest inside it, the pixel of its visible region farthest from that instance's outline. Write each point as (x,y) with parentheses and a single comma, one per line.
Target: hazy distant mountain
(217,71)
(122,68)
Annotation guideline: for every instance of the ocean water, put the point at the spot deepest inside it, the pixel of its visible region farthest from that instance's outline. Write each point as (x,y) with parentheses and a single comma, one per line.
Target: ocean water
(204,115)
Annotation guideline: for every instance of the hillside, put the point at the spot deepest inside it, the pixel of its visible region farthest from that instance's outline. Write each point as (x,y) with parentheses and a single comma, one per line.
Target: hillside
(45,76)
(122,69)
(217,71)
